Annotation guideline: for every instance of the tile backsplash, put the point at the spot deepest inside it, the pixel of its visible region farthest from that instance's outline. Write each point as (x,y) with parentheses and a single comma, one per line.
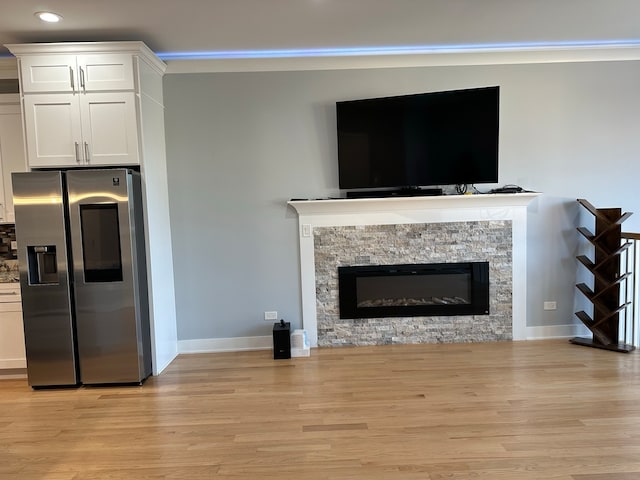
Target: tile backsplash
(7,241)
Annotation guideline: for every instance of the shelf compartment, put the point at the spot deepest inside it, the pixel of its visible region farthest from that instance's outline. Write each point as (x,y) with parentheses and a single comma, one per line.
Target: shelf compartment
(593,296)
(608,257)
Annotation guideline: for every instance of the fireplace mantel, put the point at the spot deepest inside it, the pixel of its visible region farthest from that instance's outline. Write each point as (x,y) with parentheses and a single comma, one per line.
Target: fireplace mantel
(407,210)
(338,206)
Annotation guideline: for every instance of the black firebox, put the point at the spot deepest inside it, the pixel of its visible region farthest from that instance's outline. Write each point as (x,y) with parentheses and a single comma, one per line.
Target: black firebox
(414,290)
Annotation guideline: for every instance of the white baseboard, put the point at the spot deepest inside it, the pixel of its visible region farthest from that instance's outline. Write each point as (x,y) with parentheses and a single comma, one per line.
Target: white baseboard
(557,331)
(235,344)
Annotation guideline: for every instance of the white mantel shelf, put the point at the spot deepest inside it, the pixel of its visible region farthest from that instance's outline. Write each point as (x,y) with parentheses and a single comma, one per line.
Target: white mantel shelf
(359,205)
(403,210)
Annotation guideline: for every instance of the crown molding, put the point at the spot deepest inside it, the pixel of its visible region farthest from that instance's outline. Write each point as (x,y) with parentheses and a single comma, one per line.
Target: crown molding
(130,47)
(433,58)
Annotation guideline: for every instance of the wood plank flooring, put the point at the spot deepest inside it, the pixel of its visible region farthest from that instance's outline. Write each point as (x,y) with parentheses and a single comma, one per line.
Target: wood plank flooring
(499,411)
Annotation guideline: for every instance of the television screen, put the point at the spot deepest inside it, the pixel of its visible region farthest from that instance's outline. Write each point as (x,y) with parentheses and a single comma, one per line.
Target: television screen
(427,139)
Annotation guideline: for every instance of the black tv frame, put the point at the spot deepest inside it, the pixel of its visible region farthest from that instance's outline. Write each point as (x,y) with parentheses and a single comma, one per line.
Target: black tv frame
(458,125)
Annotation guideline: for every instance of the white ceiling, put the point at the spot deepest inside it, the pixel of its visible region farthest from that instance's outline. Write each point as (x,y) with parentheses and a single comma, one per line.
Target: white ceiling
(176,26)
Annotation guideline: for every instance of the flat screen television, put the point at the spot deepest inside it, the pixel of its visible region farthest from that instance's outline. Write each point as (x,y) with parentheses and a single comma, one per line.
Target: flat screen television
(427,139)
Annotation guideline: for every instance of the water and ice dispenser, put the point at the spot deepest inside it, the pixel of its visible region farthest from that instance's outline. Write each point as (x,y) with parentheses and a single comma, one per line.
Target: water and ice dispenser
(43,264)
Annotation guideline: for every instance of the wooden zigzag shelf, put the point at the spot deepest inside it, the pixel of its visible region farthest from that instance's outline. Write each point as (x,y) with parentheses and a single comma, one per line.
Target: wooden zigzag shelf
(607,278)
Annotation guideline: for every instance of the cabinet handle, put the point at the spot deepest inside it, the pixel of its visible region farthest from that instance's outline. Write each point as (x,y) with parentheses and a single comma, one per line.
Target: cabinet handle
(84,88)
(71,79)
(8,293)
(86,152)
(77,153)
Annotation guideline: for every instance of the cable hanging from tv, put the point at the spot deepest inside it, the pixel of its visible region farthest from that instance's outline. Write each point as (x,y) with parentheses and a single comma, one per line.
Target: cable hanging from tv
(461,188)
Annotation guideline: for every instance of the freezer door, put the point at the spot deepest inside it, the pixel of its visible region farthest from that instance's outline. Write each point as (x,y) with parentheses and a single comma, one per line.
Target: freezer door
(44,278)
(112,319)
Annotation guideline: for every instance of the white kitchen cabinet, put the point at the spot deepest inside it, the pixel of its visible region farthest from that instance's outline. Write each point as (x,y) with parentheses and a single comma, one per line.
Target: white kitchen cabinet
(81,102)
(12,352)
(11,151)
(55,72)
(93,129)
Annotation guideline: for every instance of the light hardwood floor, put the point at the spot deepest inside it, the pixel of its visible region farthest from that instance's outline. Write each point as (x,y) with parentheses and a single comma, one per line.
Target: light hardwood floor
(500,411)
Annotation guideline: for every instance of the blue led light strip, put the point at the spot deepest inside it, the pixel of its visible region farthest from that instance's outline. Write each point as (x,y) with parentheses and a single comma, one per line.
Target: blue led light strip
(398,50)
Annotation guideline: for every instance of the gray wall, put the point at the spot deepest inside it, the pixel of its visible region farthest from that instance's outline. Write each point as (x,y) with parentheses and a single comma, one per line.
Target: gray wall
(239,145)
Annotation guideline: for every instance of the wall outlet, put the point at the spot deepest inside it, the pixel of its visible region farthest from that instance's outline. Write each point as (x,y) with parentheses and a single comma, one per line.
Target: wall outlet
(550,305)
(270,316)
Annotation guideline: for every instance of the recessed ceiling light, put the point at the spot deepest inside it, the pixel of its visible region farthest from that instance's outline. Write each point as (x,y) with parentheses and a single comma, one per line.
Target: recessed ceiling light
(48,17)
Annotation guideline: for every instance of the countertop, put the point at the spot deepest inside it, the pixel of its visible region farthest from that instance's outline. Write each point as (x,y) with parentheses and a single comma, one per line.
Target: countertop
(9,271)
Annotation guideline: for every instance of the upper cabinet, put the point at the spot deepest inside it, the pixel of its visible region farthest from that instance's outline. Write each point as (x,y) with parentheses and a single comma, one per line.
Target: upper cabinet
(11,151)
(82,102)
(96,129)
(76,73)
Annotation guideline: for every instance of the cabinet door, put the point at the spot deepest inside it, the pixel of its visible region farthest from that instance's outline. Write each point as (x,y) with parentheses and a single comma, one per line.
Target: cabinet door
(105,72)
(52,130)
(12,351)
(81,73)
(109,128)
(11,154)
(48,73)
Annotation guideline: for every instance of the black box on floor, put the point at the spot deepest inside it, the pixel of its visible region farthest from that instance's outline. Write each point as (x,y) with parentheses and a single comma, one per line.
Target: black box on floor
(282,340)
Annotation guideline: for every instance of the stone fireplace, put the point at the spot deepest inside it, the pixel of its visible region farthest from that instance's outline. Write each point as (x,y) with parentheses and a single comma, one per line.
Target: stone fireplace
(406,231)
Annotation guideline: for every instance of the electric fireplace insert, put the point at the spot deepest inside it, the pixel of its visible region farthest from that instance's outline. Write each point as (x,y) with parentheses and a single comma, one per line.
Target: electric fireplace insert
(414,290)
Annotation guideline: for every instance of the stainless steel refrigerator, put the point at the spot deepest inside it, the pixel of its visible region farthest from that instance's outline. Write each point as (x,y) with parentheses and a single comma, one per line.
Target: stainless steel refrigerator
(83,276)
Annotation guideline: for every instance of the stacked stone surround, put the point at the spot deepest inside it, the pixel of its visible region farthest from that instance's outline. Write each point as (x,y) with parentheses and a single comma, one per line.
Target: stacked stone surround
(472,241)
